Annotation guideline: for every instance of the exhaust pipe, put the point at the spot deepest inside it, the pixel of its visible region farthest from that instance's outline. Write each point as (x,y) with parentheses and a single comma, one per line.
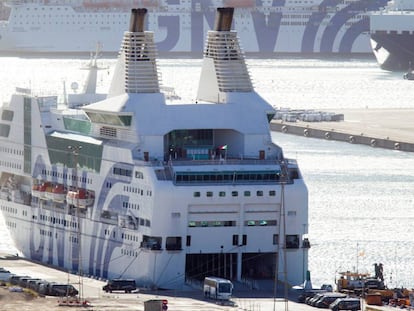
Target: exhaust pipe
(136,23)
(224,18)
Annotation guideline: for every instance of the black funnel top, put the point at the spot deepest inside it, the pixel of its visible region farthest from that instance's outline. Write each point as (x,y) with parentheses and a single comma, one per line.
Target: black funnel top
(224,18)
(136,23)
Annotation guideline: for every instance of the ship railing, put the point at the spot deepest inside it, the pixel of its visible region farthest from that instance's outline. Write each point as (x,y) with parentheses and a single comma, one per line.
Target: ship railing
(191,162)
(284,173)
(233,161)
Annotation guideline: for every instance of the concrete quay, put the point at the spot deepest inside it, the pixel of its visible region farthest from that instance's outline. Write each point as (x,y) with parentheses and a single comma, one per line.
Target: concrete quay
(185,300)
(380,128)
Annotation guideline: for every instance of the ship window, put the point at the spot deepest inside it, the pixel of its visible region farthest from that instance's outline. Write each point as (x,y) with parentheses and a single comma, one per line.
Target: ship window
(151,242)
(209,193)
(222,194)
(235,239)
(292,241)
(81,126)
(4,130)
(272,193)
(173,243)
(259,193)
(110,119)
(7,115)
(247,193)
(197,194)
(188,242)
(234,193)
(122,172)
(275,239)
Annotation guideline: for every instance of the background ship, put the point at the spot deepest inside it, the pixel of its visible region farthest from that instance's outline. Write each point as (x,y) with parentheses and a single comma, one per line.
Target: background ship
(265,27)
(392,35)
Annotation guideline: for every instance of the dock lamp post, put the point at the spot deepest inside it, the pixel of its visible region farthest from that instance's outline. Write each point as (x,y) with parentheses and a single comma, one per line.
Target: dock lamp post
(75,153)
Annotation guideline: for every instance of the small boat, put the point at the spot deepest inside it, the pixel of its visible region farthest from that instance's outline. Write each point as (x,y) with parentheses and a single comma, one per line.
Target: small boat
(35,190)
(58,193)
(43,188)
(80,198)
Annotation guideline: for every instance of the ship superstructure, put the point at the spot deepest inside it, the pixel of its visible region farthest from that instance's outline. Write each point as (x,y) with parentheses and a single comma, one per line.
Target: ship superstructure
(158,191)
(265,27)
(392,35)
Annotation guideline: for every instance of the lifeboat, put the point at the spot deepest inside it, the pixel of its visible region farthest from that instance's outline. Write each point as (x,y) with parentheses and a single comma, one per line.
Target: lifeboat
(35,190)
(58,193)
(43,188)
(48,193)
(81,198)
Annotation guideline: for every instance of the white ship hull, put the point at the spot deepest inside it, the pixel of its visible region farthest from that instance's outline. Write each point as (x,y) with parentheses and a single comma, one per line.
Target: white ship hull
(153,191)
(304,28)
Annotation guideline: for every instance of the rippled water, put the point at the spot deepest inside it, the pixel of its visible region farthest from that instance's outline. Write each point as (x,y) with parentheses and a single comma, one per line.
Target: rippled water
(361,207)
(361,199)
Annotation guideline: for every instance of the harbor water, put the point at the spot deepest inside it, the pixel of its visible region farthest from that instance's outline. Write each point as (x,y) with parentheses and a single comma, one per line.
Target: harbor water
(361,199)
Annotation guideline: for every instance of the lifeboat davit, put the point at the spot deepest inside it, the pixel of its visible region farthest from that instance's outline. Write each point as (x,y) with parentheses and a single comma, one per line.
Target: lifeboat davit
(80,198)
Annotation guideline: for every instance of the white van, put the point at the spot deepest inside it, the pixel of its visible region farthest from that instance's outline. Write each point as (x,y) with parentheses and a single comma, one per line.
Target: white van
(217,288)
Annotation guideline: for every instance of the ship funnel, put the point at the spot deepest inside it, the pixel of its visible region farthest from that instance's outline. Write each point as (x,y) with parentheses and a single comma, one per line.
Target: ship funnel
(136,69)
(224,69)
(137,20)
(224,18)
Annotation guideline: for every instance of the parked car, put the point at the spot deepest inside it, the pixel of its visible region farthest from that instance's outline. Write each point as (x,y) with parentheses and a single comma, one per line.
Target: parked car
(25,282)
(353,304)
(315,298)
(15,279)
(125,285)
(327,299)
(5,274)
(62,290)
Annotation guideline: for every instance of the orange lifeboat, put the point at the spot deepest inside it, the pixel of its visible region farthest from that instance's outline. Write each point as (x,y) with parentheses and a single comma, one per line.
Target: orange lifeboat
(43,188)
(35,190)
(80,198)
(58,193)
(48,191)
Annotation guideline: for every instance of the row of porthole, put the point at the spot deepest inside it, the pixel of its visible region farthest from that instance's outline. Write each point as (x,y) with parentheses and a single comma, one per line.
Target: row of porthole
(351,138)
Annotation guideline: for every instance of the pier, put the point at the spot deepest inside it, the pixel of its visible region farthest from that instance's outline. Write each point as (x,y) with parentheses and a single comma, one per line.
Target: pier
(378,128)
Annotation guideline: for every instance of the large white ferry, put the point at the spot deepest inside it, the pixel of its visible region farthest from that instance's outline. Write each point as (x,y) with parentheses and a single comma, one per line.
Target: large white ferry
(266,27)
(134,186)
(392,35)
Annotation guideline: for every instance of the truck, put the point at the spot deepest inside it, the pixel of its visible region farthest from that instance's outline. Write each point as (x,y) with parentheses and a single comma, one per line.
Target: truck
(217,288)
